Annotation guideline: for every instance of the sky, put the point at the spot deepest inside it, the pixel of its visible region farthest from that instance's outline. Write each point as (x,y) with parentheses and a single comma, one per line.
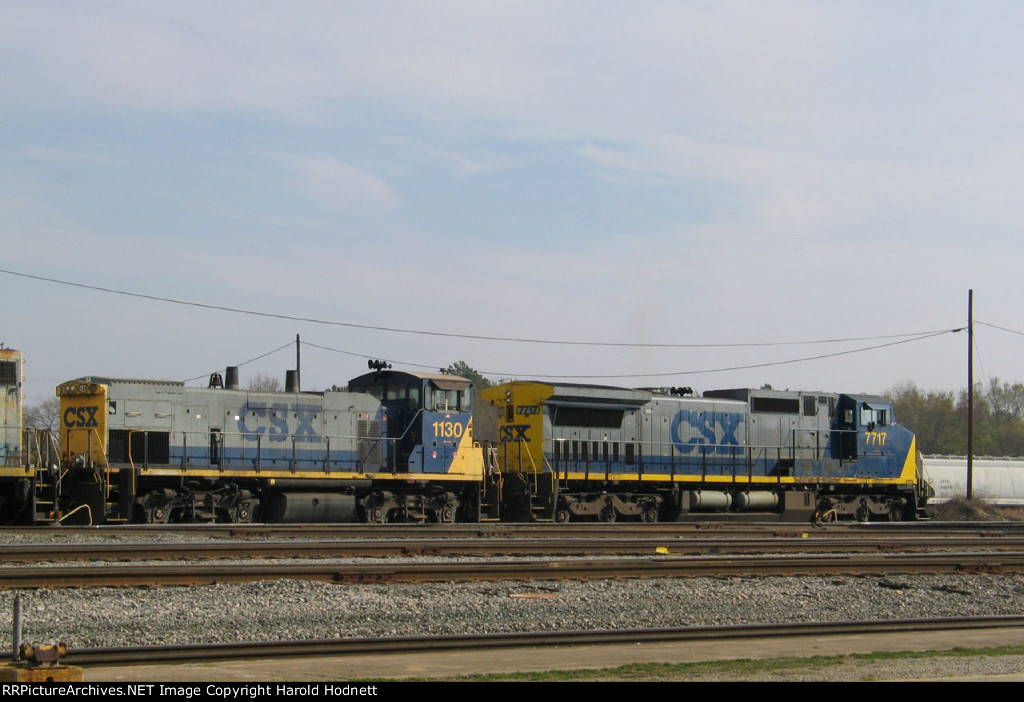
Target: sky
(706,194)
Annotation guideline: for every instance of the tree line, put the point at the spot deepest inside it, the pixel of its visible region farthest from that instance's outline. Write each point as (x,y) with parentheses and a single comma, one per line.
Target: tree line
(939,418)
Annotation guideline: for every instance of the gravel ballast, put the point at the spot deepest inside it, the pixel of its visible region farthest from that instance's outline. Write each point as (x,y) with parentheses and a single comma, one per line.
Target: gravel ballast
(286,609)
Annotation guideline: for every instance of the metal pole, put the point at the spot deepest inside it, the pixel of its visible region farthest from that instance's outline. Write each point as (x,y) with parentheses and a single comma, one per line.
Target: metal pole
(298,365)
(970,393)
(15,655)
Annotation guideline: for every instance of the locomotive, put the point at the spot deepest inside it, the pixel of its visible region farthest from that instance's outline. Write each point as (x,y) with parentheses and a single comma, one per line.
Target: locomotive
(11,464)
(605,453)
(393,447)
(398,446)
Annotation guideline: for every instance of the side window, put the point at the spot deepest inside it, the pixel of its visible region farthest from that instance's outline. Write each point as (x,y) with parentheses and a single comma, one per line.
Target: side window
(874,416)
(450,400)
(446,400)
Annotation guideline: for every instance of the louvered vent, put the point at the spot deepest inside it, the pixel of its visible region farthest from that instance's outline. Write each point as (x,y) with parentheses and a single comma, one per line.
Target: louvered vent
(369,443)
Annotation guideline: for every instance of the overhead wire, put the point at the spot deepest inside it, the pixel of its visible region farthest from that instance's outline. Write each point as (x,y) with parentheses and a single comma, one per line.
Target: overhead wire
(996,326)
(902,338)
(478,337)
(243,363)
(504,374)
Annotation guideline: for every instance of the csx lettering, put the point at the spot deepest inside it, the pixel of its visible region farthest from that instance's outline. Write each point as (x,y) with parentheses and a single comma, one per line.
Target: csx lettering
(708,426)
(256,419)
(76,417)
(514,432)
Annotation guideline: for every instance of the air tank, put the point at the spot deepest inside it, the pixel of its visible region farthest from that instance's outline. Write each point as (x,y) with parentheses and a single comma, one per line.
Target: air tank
(309,507)
(706,500)
(759,500)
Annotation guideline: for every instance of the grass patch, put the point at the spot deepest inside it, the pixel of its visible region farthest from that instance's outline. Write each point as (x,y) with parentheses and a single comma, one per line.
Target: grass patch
(960,509)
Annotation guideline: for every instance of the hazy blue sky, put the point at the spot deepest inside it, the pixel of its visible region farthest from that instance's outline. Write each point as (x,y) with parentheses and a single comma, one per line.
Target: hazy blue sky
(649,173)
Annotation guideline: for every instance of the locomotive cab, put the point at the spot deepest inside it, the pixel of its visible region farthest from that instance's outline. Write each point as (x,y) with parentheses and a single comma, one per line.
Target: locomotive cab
(867,426)
(429,418)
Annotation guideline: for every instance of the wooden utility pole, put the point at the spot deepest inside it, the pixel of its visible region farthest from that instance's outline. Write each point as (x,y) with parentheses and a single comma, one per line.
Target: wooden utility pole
(970,393)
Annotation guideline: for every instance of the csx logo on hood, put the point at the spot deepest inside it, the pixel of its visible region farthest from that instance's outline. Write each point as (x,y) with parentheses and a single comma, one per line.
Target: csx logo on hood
(75,417)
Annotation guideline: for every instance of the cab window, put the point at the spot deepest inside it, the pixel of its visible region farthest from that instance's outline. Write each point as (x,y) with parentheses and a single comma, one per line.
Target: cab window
(440,400)
(878,416)
(446,400)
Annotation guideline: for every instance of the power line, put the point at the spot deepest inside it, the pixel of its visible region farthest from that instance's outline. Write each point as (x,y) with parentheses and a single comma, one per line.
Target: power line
(243,363)
(995,326)
(505,374)
(734,368)
(477,337)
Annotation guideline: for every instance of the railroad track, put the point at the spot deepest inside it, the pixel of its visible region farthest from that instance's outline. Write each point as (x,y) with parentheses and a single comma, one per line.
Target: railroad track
(200,653)
(526,545)
(509,530)
(396,571)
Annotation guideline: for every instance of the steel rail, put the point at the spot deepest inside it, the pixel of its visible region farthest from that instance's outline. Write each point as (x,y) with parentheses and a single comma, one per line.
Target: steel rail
(392,571)
(513,530)
(200,653)
(534,546)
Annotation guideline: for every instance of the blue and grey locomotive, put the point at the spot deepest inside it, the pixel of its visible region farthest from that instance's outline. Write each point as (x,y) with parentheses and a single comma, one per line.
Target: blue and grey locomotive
(393,447)
(571,452)
(396,447)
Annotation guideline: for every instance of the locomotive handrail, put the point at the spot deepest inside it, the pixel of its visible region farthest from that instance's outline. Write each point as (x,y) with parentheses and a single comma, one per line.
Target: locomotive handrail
(408,425)
(34,456)
(80,507)
(533,464)
(252,457)
(493,470)
(131,461)
(734,461)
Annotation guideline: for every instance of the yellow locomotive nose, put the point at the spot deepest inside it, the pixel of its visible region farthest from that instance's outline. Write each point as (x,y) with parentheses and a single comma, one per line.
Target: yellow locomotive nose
(83,423)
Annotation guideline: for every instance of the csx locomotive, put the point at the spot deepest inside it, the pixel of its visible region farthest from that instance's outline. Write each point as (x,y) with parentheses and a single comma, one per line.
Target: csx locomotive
(399,447)
(601,453)
(393,447)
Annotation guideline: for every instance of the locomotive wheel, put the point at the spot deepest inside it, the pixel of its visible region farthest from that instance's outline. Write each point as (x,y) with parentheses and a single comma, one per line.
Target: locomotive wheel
(562,516)
(607,514)
(649,515)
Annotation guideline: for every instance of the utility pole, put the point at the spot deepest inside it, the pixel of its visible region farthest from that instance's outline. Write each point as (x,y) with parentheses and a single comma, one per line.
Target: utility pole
(970,393)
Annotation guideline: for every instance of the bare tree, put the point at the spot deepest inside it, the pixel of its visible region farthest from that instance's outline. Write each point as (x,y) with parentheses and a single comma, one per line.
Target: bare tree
(261,382)
(44,415)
